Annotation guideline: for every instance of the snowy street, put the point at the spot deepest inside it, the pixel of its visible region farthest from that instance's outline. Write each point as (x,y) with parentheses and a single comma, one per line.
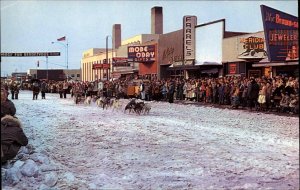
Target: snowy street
(176,146)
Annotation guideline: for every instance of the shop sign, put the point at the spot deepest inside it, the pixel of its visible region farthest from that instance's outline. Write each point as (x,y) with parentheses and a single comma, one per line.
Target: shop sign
(141,53)
(97,66)
(168,56)
(232,68)
(100,66)
(177,63)
(189,23)
(252,47)
(281,34)
(106,66)
(119,59)
(120,62)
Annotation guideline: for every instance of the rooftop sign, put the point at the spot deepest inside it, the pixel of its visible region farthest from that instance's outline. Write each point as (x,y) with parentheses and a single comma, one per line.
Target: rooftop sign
(281,34)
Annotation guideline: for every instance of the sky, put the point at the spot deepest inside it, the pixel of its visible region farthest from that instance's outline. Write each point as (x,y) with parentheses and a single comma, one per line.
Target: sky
(31,26)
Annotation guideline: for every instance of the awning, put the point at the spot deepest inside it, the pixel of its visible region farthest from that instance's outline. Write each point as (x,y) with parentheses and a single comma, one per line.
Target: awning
(210,71)
(207,63)
(270,64)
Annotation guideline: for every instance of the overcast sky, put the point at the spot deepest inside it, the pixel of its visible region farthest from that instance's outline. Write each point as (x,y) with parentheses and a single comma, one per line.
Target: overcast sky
(31,26)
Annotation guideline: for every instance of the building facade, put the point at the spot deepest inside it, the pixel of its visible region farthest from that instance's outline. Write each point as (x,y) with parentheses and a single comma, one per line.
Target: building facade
(199,50)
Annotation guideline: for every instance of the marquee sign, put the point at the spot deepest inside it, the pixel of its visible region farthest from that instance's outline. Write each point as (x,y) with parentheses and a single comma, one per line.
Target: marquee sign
(281,34)
(141,53)
(189,23)
(31,54)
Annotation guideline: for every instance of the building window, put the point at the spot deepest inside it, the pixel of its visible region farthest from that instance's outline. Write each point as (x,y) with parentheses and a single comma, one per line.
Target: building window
(72,75)
(78,75)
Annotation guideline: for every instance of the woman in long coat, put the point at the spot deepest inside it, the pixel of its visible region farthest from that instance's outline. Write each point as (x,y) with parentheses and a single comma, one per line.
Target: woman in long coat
(12,137)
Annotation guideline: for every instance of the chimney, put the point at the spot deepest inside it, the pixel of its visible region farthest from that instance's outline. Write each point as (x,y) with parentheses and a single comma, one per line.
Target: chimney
(116,36)
(156,20)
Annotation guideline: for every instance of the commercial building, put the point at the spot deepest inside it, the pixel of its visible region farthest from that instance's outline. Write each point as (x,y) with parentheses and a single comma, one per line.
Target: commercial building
(271,52)
(199,50)
(55,74)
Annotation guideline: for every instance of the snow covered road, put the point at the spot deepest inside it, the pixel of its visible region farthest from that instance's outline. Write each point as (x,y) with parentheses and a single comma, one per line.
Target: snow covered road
(174,147)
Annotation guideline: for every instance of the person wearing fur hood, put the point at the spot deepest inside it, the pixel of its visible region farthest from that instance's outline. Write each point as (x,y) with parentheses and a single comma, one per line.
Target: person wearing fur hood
(12,137)
(7,106)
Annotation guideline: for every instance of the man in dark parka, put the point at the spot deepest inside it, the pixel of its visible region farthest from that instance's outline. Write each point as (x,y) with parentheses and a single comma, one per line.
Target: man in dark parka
(12,137)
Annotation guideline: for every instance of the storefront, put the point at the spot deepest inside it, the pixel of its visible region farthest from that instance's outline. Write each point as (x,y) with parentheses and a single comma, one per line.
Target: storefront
(281,34)
(170,57)
(241,52)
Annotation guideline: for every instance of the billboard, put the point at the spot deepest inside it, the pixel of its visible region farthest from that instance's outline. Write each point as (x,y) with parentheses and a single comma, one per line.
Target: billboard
(209,39)
(189,23)
(252,46)
(142,54)
(281,34)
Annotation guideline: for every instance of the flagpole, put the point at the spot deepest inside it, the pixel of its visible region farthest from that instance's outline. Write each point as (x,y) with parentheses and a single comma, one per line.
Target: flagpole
(67,53)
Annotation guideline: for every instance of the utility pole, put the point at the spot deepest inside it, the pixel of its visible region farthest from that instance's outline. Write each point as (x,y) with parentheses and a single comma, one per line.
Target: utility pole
(47,68)
(106,57)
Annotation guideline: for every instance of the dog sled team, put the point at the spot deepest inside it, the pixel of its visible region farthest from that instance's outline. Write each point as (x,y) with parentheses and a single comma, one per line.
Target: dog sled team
(133,106)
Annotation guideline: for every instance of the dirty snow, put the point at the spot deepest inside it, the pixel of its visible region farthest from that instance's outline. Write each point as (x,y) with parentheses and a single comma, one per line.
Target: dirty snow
(174,147)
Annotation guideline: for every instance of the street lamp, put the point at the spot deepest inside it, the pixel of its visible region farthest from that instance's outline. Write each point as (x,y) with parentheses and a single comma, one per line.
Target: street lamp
(66,49)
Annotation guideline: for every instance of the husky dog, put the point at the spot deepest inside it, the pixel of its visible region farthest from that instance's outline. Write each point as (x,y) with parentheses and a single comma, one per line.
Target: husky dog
(105,103)
(116,104)
(99,101)
(130,106)
(88,100)
(138,108)
(95,98)
(147,108)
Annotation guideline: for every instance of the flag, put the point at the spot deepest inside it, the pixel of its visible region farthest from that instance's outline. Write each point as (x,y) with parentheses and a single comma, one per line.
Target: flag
(62,38)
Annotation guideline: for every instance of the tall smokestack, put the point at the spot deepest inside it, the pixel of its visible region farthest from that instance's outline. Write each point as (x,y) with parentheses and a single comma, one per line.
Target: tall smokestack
(116,36)
(156,20)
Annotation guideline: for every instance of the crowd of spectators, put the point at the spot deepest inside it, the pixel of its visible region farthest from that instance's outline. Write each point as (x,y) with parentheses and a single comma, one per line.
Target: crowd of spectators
(279,93)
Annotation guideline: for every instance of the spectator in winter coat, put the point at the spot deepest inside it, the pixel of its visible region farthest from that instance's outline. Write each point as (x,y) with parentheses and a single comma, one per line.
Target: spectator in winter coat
(171,92)
(142,90)
(12,137)
(44,89)
(12,90)
(65,88)
(7,106)
(253,90)
(35,90)
(221,93)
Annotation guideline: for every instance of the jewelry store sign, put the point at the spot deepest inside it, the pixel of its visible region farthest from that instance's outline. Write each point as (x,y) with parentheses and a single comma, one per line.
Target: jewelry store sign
(281,34)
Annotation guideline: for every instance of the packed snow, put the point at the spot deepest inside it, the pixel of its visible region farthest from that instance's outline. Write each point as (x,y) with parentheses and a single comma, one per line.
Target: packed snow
(175,146)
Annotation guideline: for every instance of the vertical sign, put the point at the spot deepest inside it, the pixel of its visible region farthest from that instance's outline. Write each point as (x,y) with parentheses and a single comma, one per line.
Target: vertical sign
(189,23)
(281,34)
